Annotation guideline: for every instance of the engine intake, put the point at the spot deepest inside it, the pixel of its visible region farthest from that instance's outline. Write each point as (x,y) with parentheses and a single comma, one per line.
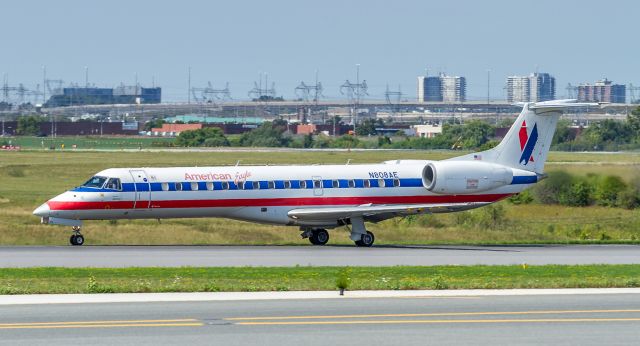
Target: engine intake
(464,177)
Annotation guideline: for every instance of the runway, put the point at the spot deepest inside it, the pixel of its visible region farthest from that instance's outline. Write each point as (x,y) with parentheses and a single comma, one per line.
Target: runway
(611,319)
(237,256)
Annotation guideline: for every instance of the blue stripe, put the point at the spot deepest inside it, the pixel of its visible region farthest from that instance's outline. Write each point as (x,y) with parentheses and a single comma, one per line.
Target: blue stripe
(526,179)
(279,184)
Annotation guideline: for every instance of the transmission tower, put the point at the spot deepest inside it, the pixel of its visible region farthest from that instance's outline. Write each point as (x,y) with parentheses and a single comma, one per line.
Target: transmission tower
(209,94)
(393,100)
(633,97)
(354,92)
(309,94)
(260,93)
(572,91)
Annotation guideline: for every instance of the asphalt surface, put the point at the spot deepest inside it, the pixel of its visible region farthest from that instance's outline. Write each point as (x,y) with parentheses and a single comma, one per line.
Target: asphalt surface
(233,256)
(605,319)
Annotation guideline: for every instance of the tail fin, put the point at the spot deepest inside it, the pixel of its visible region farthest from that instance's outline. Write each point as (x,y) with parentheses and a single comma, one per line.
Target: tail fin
(527,143)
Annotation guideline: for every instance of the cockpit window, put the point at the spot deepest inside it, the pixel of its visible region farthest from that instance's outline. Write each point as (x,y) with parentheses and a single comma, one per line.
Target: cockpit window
(95,182)
(113,184)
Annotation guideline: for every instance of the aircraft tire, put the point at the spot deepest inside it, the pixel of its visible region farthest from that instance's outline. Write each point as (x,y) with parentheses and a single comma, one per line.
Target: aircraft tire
(76,239)
(366,240)
(319,237)
(322,236)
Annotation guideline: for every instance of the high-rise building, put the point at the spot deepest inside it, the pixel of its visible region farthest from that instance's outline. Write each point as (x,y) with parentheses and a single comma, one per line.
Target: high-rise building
(543,87)
(421,88)
(442,88)
(454,88)
(533,88)
(602,91)
(429,89)
(518,89)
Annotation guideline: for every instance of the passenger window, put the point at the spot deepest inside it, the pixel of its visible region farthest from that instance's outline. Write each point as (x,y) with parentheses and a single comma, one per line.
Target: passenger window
(380,182)
(255,185)
(271,185)
(225,185)
(194,186)
(241,185)
(316,184)
(352,183)
(165,186)
(303,184)
(366,183)
(287,184)
(114,184)
(178,186)
(396,182)
(335,184)
(210,186)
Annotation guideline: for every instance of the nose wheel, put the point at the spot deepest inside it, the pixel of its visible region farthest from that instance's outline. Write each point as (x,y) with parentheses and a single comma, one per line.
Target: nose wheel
(76,239)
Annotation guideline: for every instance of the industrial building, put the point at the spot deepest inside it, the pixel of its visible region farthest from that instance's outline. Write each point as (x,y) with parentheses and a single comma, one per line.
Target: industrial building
(443,88)
(602,91)
(532,88)
(74,96)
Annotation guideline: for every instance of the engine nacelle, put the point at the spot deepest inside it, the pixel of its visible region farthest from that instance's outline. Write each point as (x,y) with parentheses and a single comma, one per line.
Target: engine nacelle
(464,177)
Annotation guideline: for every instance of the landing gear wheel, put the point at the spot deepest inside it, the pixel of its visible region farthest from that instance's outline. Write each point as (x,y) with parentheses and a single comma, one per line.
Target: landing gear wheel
(319,237)
(77,238)
(366,240)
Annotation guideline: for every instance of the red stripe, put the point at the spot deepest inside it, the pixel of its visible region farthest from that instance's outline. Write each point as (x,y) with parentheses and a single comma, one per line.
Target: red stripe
(276,202)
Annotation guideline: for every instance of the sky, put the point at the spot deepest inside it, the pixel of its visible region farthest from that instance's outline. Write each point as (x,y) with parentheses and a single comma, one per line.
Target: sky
(288,41)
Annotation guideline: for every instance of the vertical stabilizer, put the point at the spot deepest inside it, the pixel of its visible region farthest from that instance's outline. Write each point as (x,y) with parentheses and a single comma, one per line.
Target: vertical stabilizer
(527,143)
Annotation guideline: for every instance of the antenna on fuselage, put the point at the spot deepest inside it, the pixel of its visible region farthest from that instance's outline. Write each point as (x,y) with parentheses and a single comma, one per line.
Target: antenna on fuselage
(348,161)
(238,163)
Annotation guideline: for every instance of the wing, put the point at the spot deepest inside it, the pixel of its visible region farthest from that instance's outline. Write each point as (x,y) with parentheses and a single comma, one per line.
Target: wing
(375,213)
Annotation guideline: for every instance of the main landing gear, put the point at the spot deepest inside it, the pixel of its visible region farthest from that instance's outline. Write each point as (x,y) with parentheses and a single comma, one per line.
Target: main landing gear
(359,234)
(76,239)
(317,236)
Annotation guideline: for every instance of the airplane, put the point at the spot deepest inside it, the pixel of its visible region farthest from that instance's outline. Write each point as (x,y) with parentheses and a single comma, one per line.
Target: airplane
(316,198)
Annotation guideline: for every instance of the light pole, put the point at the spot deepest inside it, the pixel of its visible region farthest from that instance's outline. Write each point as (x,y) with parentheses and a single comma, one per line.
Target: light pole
(357,100)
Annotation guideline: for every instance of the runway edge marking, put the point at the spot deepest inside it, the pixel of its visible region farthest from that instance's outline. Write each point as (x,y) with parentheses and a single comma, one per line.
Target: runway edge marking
(231,296)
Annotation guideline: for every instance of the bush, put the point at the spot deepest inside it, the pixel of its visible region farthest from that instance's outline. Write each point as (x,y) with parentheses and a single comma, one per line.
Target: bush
(549,190)
(524,197)
(578,195)
(608,189)
(208,136)
(628,199)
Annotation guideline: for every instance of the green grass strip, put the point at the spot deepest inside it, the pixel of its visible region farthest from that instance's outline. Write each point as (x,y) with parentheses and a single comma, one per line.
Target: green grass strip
(212,279)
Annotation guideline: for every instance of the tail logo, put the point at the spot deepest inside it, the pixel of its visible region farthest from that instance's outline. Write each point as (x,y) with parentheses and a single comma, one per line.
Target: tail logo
(527,142)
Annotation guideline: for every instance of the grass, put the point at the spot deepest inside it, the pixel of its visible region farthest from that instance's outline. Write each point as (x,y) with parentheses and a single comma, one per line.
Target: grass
(28,178)
(211,279)
(88,142)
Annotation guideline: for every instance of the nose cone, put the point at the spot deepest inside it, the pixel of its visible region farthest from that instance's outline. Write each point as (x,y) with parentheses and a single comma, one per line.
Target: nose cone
(42,211)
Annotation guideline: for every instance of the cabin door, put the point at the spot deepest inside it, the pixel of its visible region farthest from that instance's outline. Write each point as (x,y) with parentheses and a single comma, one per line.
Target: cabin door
(143,189)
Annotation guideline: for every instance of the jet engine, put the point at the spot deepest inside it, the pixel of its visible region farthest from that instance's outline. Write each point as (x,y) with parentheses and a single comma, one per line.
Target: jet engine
(464,177)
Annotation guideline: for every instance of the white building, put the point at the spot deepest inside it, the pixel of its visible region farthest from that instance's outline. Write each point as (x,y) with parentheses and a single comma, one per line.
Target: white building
(454,88)
(532,88)
(427,131)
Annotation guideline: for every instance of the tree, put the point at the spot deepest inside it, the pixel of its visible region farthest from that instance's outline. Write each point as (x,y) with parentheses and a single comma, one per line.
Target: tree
(266,135)
(208,136)
(156,123)
(634,123)
(366,128)
(28,126)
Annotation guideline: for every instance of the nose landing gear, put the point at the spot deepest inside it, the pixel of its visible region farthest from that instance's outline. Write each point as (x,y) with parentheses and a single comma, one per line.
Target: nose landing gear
(76,239)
